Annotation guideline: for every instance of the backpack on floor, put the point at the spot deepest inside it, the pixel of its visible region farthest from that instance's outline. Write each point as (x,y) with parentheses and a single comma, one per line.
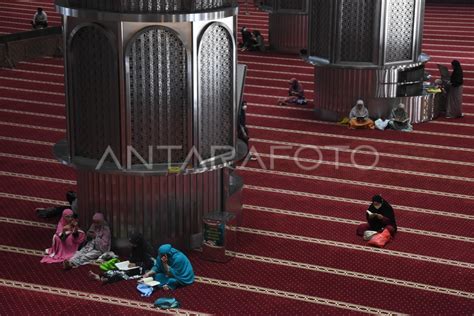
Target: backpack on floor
(167,302)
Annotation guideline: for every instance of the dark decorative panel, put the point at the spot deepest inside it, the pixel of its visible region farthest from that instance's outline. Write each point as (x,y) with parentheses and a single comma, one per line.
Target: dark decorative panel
(400,30)
(200,5)
(216,97)
(292,5)
(94,92)
(320,29)
(158,94)
(356,30)
(149,6)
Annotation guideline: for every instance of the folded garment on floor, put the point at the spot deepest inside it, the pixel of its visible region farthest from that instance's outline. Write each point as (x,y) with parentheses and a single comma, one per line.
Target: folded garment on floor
(106,256)
(109,265)
(145,290)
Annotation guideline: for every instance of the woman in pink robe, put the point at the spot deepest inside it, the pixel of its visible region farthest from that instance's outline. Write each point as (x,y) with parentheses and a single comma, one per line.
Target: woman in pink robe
(66,240)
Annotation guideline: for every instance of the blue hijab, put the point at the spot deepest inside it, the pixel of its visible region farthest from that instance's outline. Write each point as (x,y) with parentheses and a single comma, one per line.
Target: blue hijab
(180,266)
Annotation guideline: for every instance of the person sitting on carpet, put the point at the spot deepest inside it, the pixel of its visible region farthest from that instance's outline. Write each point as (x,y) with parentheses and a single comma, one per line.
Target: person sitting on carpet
(66,240)
(247,39)
(259,43)
(98,242)
(172,268)
(359,116)
(40,19)
(295,93)
(379,216)
(400,121)
(140,256)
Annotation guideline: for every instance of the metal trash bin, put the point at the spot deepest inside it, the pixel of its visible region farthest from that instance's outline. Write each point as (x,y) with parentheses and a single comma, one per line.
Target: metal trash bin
(219,236)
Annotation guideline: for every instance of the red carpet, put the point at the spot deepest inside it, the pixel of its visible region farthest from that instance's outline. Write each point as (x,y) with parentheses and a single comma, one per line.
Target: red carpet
(298,250)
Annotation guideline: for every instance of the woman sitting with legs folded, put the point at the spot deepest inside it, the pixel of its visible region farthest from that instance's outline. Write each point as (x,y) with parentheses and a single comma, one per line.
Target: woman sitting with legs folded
(295,93)
(98,242)
(66,240)
(400,121)
(379,216)
(172,268)
(359,116)
(140,260)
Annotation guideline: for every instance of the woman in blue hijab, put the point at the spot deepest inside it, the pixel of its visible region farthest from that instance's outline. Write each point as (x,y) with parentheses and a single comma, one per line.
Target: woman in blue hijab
(172,268)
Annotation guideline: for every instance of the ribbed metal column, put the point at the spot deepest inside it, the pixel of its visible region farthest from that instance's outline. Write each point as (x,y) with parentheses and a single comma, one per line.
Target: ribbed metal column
(152,112)
(367,49)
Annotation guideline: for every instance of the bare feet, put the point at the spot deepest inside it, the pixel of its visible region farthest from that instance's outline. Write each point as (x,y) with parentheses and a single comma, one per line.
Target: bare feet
(67,265)
(166,287)
(94,276)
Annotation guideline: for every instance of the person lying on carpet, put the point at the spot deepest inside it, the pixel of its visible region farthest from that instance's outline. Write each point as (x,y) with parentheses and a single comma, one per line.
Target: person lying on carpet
(399,120)
(140,256)
(98,242)
(295,92)
(54,211)
(66,240)
(172,268)
(359,116)
(379,216)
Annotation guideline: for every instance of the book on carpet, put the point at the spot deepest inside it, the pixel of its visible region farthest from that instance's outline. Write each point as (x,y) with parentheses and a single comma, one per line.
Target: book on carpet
(149,281)
(125,266)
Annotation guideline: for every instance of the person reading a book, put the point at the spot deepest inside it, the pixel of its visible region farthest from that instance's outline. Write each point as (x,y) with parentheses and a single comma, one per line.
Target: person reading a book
(172,268)
(400,121)
(359,116)
(98,242)
(66,240)
(141,253)
(295,94)
(379,216)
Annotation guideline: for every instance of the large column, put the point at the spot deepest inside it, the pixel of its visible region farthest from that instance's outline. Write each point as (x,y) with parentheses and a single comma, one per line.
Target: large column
(288,24)
(152,111)
(368,49)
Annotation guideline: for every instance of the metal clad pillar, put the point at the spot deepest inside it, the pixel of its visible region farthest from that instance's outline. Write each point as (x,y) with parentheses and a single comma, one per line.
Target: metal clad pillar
(141,75)
(368,49)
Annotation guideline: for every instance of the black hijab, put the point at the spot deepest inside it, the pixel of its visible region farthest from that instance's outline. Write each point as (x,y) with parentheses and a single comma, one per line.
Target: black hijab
(457,77)
(385,210)
(141,253)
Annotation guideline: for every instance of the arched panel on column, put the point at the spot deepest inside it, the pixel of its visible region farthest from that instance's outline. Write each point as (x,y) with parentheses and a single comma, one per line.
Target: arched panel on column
(356,31)
(216,90)
(400,30)
(157,94)
(93,92)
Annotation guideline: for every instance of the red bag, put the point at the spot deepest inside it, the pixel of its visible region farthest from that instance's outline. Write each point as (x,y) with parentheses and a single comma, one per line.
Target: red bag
(381,239)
